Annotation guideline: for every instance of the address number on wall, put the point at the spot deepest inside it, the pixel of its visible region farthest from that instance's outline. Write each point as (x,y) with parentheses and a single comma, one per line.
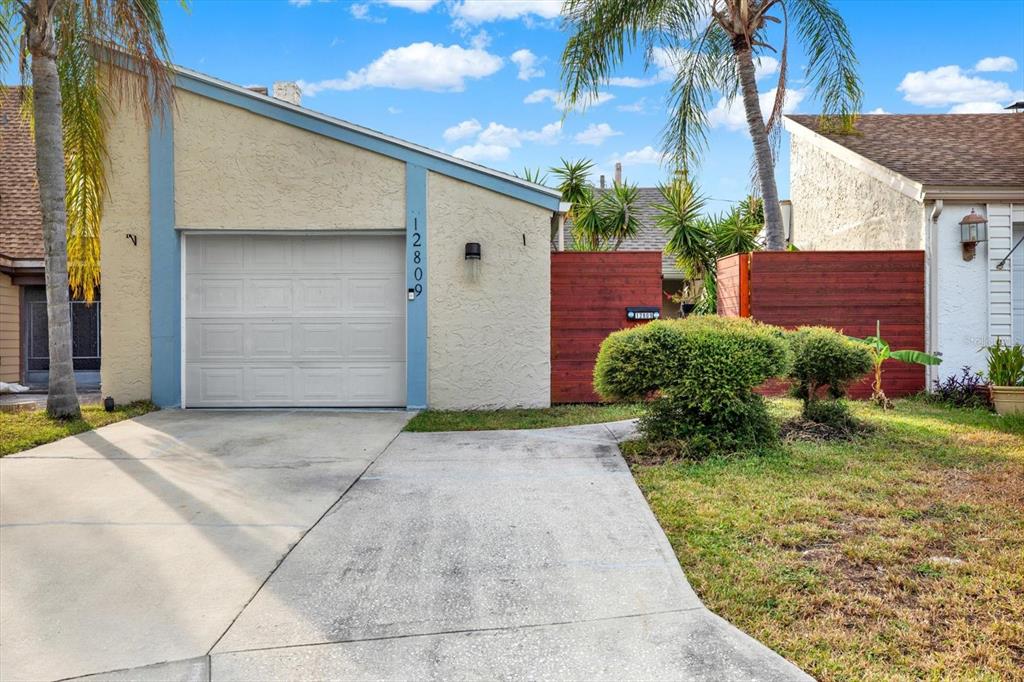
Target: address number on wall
(638,313)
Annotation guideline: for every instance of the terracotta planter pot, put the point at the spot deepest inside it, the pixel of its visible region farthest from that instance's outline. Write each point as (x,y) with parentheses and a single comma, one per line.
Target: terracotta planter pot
(1008,399)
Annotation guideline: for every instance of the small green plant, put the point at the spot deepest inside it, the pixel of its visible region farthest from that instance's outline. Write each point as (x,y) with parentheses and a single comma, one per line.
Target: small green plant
(880,352)
(1005,364)
(701,371)
(825,363)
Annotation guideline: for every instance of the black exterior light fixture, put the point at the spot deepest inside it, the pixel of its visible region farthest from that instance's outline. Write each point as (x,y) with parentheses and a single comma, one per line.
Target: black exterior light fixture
(973,229)
(473,261)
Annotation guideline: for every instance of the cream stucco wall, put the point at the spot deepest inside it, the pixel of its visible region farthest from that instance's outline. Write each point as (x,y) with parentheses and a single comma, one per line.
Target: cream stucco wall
(838,207)
(489,342)
(235,169)
(125,267)
(10,324)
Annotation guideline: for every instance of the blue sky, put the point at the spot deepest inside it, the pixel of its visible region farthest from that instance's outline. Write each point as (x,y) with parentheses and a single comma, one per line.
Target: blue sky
(417,69)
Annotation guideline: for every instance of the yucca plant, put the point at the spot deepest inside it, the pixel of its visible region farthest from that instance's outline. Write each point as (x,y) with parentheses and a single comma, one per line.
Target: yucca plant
(1005,364)
(58,45)
(880,352)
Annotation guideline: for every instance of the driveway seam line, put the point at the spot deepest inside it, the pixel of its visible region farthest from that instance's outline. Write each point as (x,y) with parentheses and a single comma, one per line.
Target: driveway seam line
(503,628)
(209,652)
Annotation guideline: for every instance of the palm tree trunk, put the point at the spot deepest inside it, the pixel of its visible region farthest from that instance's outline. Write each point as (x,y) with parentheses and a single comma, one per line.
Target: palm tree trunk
(775,237)
(62,399)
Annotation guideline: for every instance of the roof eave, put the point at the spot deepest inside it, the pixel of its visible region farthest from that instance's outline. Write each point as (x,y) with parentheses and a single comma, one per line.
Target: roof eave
(897,181)
(974,193)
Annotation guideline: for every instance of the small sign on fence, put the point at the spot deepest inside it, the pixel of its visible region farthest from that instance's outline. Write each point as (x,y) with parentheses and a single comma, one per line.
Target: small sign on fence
(643,312)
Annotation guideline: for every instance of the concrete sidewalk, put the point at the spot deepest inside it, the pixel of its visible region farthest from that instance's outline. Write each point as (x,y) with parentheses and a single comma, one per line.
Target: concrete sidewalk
(503,554)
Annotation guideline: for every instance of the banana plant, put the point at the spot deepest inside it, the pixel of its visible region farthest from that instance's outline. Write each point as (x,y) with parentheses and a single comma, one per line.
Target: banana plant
(880,352)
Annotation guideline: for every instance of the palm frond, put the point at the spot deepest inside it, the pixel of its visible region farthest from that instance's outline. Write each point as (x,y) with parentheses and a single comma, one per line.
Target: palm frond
(831,63)
(84,106)
(603,31)
(688,233)
(618,213)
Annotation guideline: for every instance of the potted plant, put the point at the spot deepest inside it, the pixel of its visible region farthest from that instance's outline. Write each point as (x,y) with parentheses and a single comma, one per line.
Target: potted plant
(1006,377)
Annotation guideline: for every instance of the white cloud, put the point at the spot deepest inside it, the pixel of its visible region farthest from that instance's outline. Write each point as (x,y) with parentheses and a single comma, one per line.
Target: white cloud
(548,134)
(460,131)
(480,41)
(635,108)
(361,11)
(978,108)
(394,110)
(555,97)
(996,64)
(666,64)
(877,110)
(503,135)
(951,85)
(765,66)
(300,3)
(528,64)
(732,116)
(645,156)
(419,66)
(470,12)
(596,134)
(482,152)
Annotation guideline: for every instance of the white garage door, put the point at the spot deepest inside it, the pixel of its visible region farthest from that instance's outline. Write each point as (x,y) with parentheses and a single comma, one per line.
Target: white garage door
(276,321)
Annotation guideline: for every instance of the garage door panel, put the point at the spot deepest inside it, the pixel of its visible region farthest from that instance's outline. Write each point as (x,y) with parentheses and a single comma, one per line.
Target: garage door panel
(320,340)
(268,254)
(269,340)
(371,254)
(216,340)
(374,340)
(277,321)
(270,385)
(319,295)
(320,254)
(374,294)
(268,296)
(223,255)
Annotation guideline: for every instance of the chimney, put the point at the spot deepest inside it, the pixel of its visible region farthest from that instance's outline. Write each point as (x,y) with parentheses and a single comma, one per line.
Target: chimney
(288,91)
(618,168)
(602,182)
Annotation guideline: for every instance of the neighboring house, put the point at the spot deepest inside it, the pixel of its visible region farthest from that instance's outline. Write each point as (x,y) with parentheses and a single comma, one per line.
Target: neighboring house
(24,352)
(258,253)
(906,182)
(649,238)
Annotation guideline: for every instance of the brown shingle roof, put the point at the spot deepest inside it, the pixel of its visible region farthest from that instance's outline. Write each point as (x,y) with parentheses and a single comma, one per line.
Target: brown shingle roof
(21,221)
(981,150)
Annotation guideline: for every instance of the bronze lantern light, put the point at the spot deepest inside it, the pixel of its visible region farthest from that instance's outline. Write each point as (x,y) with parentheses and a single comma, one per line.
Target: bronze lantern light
(973,229)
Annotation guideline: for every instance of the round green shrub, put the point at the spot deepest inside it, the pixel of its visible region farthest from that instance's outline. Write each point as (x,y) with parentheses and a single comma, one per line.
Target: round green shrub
(824,358)
(703,369)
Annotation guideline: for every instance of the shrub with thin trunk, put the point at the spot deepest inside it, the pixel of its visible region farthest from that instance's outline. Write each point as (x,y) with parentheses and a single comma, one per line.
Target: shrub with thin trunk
(825,363)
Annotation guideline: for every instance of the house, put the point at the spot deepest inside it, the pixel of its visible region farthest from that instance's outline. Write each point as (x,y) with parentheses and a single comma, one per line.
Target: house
(907,182)
(255,252)
(24,352)
(649,237)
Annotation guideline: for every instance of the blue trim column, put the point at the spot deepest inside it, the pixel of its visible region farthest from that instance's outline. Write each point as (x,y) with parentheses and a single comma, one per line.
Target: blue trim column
(416,281)
(165,265)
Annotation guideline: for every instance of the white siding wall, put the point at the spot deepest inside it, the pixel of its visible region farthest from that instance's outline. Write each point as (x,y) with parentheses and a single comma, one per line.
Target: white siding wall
(1000,305)
(1018,284)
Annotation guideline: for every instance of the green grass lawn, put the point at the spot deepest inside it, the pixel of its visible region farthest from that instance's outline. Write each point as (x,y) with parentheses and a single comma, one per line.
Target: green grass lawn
(899,555)
(490,420)
(24,430)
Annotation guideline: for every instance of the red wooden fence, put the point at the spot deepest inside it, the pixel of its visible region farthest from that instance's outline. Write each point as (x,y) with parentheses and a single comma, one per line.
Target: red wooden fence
(847,290)
(589,296)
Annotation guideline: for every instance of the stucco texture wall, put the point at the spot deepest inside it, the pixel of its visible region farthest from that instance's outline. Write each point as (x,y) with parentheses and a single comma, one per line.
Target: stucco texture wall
(10,324)
(125,266)
(237,170)
(489,341)
(837,207)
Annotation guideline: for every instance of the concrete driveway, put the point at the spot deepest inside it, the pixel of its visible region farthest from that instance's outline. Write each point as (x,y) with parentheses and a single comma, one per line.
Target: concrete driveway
(506,554)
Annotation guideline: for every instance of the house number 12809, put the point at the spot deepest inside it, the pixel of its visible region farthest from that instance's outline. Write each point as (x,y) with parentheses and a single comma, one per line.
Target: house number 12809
(417,257)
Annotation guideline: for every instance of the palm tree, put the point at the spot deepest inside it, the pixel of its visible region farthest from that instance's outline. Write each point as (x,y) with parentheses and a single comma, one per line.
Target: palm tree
(714,44)
(59,45)
(618,213)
